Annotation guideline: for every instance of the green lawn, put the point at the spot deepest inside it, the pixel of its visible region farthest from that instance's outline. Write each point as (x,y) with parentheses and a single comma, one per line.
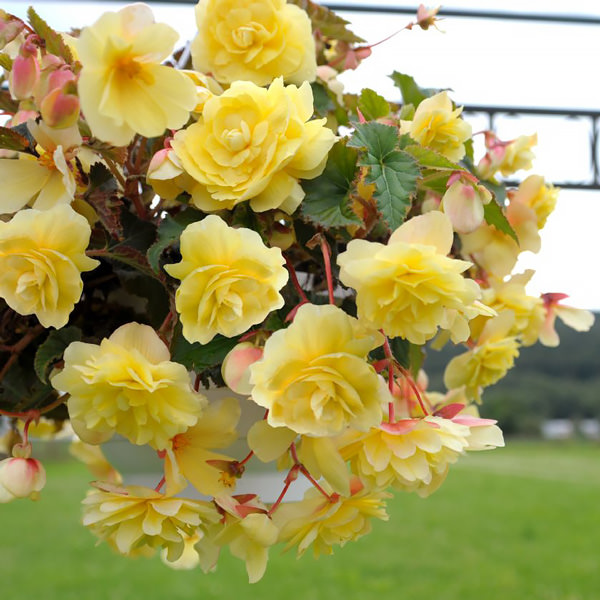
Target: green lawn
(521,523)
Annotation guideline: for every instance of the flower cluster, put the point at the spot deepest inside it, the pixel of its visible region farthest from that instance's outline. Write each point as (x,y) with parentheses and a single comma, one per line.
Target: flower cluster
(214,253)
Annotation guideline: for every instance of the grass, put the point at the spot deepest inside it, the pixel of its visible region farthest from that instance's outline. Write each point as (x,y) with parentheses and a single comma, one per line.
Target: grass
(521,523)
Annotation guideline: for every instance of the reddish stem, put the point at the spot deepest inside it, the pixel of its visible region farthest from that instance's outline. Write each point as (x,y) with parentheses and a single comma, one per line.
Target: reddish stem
(250,455)
(388,353)
(294,278)
(305,472)
(414,388)
(197,382)
(160,484)
(327,261)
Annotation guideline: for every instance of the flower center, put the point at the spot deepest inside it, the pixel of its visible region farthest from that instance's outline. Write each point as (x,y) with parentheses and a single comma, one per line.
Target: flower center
(236,139)
(127,66)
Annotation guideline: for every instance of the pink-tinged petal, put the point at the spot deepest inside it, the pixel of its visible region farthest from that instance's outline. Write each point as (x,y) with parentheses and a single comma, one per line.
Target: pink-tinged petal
(449,411)
(236,367)
(401,427)
(473,421)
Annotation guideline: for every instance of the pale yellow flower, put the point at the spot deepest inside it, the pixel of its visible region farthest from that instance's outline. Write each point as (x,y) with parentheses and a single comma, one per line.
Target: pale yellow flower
(409,287)
(541,198)
(575,318)
(488,361)
(128,385)
(324,523)
(314,377)
(206,88)
(253,144)
(135,517)
(414,454)
(122,87)
(518,155)
(42,255)
(229,280)
(254,41)
(438,126)
(189,452)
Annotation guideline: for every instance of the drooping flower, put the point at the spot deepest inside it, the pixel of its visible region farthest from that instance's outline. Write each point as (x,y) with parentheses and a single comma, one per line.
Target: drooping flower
(506,157)
(254,41)
(488,361)
(414,454)
(537,195)
(575,318)
(191,453)
(128,385)
(324,523)
(229,279)
(122,87)
(135,517)
(437,125)
(42,256)
(409,287)
(313,376)
(254,144)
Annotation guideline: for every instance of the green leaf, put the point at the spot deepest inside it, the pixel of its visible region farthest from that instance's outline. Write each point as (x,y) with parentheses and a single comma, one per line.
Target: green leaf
(12,140)
(327,202)
(497,189)
(416,355)
(372,105)
(321,100)
(493,215)
(327,22)
(151,291)
(394,172)
(169,232)
(431,159)
(6,61)
(198,357)
(52,348)
(411,92)
(53,40)
(401,351)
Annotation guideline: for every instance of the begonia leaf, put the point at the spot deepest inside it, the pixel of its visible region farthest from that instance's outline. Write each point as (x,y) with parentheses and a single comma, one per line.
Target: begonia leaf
(327,22)
(372,105)
(52,348)
(493,215)
(52,39)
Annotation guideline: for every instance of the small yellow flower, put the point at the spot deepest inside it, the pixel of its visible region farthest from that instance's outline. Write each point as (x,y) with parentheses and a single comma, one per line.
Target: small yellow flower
(313,376)
(254,41)
(438,126)
(128,385)
(135,517)
(410,286)
(123,88)
(324,523)
(541,198)
(253,144)
(488,361)
(229,280)
(42,255)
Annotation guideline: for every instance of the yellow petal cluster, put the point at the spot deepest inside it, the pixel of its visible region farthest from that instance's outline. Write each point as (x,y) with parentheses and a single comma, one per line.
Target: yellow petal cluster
(437,125)
(541,198)
(409,286)
(135,517)
(253,143)
(324,523)
(123,88)
(313,376)
(229,279)
(128,385)
(42,256)
(488,361)
(413,454)
(254,41)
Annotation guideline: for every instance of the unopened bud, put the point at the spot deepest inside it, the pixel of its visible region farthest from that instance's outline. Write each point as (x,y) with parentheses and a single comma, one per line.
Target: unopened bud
(21,478)
(236,367)
(24,76)
(60,109)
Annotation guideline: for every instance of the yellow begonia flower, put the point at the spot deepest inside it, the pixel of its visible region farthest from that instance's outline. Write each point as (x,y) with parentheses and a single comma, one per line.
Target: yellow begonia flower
(488,361)
(42,256)
(128,385)
(206,88)
(575,318)
(323,523)
(122,87)
(314,377)
(254,41)
(541,198)
(190,451)
(518,155)
(414,454)
(42,182)
(438,126)
(410,287)
(511,295)
(253,144)
(229,280)
(135,517)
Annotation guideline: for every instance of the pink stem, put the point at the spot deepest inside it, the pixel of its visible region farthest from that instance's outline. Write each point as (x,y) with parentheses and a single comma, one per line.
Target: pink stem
(327,260)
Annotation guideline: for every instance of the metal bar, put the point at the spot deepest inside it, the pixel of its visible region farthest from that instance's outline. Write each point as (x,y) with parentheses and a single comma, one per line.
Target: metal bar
(530,110)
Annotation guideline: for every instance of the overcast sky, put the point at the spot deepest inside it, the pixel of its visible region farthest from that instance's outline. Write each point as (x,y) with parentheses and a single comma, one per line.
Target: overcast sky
(483,61)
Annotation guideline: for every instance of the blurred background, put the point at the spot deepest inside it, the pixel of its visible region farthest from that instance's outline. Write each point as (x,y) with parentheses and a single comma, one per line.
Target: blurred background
(519,523)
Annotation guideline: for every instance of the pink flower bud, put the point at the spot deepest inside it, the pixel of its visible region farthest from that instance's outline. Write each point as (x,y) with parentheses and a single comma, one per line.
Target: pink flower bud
(24,76)
(21,478)
(59,109)
(236,367)
(464,207)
